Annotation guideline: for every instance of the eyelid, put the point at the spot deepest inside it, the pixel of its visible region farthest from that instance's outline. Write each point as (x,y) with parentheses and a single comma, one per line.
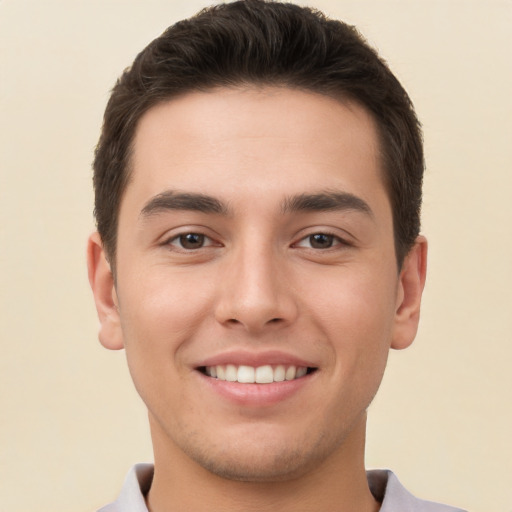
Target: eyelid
(172,240)
(208,242)
(339,239)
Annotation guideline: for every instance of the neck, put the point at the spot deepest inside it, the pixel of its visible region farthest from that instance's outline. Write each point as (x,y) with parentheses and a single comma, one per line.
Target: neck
(337,483)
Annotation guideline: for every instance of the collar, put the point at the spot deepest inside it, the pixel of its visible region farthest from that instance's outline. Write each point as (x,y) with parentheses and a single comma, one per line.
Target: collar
(383,484)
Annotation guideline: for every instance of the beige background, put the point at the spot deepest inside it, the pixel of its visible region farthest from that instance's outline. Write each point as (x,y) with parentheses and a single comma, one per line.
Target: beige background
(70,422)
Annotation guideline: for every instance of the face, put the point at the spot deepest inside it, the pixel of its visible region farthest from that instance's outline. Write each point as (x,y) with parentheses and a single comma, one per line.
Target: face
(257,290)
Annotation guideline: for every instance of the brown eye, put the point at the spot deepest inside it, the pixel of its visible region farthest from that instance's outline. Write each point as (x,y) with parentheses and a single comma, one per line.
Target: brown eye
(191,240)
(321,241)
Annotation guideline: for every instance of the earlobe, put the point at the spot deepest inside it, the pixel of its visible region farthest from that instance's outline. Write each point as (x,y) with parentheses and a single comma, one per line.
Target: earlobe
(102,285)
(410,289)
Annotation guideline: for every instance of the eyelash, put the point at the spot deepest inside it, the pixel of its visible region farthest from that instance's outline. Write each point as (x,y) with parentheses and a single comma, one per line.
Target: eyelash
(335,241)
(179,240)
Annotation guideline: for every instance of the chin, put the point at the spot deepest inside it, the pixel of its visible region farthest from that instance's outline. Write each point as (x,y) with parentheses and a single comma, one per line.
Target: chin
(269,467)
(258,459)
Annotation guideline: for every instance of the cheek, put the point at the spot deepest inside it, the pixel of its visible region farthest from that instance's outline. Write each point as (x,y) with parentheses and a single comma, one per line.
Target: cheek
(356,314)
(355,305)
(163,302)
(159,316)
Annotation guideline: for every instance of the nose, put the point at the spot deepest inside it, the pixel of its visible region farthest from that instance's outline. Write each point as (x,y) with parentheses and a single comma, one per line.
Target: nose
(255,293)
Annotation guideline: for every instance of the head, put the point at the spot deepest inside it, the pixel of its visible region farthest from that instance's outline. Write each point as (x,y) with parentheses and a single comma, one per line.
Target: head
(257,180)
(263,43)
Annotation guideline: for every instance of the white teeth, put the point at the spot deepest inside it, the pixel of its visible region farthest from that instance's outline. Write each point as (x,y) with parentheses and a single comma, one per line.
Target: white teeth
(279,373)
(265,374)
(231,373)
(301,371)
(290,373)
(221,372)
(245,374)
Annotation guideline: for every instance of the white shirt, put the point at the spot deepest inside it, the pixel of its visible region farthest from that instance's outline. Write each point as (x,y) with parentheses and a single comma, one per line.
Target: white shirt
(383,483)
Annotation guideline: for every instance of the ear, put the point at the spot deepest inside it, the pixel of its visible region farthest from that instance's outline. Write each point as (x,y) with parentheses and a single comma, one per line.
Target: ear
(105,297)
(410,288)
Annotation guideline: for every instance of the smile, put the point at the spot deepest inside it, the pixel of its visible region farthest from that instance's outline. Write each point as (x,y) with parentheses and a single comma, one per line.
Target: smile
(265,374)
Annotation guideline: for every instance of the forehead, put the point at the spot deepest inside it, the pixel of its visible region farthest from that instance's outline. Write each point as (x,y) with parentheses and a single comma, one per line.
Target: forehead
(270,138)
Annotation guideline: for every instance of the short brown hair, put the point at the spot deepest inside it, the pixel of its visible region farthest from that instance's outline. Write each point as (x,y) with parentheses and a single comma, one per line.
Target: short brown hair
(264,43)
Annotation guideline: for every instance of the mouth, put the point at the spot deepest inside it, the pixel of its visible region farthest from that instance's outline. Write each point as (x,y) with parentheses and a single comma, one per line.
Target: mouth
(265,374)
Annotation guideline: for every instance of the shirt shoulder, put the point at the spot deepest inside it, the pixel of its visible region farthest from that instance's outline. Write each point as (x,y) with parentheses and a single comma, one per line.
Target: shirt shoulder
(394,497)
(384,485)
(136,484)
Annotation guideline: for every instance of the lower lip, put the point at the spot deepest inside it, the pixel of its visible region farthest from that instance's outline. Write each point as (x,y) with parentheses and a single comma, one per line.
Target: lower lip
(257,395)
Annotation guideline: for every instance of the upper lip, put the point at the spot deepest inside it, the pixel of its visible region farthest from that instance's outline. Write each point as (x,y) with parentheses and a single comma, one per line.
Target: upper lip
(255,359)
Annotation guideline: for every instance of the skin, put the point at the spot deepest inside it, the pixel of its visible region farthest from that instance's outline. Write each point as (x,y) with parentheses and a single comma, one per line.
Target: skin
(259,285)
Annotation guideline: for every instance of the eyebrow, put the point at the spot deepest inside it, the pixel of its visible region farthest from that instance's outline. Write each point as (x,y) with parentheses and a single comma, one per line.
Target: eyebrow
(326,201)
(171,200)
(317,202)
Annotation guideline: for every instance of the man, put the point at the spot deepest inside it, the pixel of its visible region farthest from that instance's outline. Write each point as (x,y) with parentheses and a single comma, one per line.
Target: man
(258,187)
